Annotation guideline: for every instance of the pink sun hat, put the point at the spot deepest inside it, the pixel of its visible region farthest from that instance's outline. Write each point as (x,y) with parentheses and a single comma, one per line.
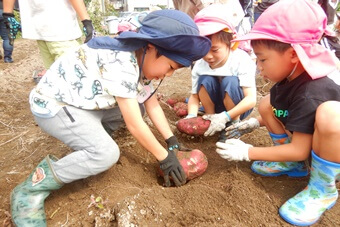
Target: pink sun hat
(300,23)
(218,17)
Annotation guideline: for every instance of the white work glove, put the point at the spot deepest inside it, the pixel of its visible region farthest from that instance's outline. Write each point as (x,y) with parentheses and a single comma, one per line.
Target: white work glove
(217,122)
(233,150)
(241,128)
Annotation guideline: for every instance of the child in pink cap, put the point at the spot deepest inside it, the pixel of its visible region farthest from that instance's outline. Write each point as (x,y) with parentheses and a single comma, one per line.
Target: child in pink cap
(224,80)
(302,111)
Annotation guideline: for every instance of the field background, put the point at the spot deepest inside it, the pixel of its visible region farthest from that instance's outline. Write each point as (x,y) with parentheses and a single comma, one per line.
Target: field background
(228,194)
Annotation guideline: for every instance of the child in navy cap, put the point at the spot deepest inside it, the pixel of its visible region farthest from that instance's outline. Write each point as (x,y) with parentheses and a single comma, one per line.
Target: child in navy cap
(95,88)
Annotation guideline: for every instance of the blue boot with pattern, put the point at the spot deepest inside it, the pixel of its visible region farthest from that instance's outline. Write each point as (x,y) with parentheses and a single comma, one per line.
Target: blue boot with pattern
(321,194)
(292,169)
(27,199)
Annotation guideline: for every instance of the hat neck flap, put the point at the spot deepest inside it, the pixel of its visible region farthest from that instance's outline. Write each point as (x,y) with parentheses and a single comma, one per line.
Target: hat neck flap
(115,44)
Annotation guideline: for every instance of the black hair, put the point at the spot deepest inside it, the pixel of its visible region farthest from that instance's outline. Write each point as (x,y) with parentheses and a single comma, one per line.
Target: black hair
(271,44)
(223,36)
(141,50)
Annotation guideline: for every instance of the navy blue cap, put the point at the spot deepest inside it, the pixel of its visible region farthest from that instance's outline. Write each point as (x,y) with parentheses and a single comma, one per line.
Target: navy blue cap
(173,32)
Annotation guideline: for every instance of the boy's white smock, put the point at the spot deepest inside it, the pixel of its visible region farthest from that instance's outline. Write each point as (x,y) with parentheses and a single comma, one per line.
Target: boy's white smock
(239,64)
(75,80)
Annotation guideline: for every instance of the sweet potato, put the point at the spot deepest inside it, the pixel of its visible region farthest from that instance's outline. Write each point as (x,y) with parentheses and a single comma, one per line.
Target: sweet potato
(172,101)
(181,112)
(194,163)
(180,105)
(181,109)
(195,126)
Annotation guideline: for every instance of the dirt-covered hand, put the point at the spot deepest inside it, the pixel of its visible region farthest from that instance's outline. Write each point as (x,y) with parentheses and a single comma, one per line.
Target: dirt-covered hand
(233,150)
(217,122)
(171,167)
(12,26)
(241,128)
(88,30)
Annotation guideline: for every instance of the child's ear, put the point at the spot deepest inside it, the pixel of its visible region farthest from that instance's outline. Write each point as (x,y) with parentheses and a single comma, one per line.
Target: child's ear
(293,55)
(151,46)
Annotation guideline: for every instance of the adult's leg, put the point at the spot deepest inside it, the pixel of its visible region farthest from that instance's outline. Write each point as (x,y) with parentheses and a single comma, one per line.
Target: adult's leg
(50,51)
(8,49)
(45,54)
(57,49)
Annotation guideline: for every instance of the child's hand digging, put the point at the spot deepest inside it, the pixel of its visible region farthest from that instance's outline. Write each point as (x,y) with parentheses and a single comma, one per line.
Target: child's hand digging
(171,167)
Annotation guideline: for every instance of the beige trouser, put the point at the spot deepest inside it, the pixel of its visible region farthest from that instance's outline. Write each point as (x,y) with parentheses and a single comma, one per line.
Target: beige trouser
(51,50)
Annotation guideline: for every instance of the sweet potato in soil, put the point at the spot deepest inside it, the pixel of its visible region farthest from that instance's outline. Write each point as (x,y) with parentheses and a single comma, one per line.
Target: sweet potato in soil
(173,100)
(194,163)
(195,126)
(181,109)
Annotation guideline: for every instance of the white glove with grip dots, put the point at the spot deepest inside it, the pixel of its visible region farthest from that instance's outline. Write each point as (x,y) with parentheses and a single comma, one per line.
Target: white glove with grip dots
(217,122)
(233,150)
(241,128)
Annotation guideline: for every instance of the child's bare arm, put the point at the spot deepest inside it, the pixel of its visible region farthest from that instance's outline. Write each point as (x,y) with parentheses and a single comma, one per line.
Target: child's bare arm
(157,117)
(236,150)
(193,104)
(298,150)
(8,6)
(139,129)
(136,125)
(80,8)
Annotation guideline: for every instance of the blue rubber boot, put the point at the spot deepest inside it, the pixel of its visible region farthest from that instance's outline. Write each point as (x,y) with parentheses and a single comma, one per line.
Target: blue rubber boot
(292,169)
(321,193)
(27,199)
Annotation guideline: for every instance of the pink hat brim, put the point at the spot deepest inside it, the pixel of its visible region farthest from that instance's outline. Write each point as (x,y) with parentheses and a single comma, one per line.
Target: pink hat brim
(207,28)
(253,36)
(316,60)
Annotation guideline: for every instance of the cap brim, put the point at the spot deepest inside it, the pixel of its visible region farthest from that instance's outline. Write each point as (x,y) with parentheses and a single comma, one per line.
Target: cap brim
(184,49)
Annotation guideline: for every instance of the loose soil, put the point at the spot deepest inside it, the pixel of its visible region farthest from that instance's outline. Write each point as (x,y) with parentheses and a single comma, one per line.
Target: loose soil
(131,193)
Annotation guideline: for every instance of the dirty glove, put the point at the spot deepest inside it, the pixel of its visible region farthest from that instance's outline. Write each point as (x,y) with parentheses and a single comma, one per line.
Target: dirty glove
(217,122)
(88,30)
(173,144)
(241,128)
(12,26)
(171,167)
(233,150)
